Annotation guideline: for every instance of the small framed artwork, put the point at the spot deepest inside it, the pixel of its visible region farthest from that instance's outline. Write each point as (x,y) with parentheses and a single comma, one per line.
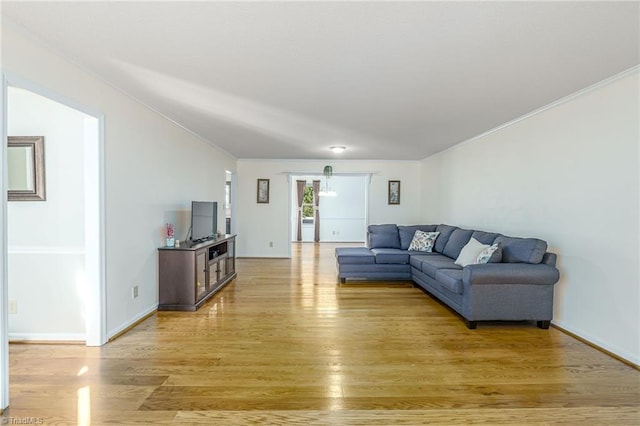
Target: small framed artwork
(394,192)
(263,191)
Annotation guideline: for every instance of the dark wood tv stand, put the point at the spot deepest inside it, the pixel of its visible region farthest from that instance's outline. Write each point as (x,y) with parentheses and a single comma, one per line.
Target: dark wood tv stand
(190,274)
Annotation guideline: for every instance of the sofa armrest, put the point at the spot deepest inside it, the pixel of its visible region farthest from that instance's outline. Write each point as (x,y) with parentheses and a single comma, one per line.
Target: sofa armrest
(510,273)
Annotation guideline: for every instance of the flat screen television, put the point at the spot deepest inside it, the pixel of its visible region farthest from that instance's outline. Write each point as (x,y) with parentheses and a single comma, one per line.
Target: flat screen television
(204,220)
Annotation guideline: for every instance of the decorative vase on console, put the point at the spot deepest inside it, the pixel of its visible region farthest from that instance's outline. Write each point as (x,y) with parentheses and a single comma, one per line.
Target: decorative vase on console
(170,240)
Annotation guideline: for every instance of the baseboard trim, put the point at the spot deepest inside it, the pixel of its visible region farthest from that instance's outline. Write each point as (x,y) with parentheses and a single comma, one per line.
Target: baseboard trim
(126,328)
(596,347)
(262,257)
(48,338)
(47,342)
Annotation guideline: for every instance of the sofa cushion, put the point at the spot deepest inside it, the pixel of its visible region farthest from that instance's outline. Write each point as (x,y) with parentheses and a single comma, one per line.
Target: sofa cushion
(406,233)
(451,279)
(549,259)
(432,264)
(485,237)
(445,232)
(355,255)
(383,236)
(458,239)
(423,241)
(526,250)
(416,260)
(492,254)
(386,255)
(470,252)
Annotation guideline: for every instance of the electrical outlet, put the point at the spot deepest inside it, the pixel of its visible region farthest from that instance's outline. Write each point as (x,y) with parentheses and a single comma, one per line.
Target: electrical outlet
(13,307)
(271,244)
(134,291)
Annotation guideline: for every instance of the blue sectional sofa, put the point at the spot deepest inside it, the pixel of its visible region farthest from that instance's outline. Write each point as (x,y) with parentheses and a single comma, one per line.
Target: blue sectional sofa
(516,284)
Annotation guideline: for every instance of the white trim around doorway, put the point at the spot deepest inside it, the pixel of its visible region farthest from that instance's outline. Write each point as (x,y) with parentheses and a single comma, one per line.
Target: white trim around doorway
(95,247)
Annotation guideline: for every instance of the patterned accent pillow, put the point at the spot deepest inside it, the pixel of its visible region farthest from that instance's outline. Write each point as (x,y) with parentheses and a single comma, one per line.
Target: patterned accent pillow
(487,255)
(423,241)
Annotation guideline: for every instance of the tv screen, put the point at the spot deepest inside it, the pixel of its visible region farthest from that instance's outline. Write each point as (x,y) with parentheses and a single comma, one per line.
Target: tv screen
(204,219)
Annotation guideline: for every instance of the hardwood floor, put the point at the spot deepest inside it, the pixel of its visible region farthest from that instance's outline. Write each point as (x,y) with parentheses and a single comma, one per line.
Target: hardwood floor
(284,344)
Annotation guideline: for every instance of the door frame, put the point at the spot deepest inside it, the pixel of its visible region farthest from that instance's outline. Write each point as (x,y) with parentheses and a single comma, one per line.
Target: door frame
(291,179)
(95,244)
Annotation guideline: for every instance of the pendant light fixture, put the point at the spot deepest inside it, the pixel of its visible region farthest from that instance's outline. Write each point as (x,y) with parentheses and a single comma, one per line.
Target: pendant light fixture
(327,191)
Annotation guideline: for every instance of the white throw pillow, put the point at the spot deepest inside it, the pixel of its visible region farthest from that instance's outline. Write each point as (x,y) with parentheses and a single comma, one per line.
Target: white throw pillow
(423,241)
(469,253)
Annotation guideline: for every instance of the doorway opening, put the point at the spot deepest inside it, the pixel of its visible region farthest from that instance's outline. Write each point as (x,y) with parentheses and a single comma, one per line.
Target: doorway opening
(83,252)
(230,202)
(89,246)
(72,239)
(341,216)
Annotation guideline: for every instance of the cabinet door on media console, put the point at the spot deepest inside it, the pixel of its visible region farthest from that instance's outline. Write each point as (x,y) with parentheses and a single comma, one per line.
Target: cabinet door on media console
(231,257)
(179,274)
(202,274)
(213,272)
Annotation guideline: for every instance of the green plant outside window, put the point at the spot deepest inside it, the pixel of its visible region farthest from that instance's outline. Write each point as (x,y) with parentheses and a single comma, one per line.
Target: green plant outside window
(307,202)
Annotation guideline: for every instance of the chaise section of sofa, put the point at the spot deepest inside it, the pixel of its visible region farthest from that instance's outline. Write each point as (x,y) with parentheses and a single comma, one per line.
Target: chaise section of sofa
(516,284)
(363,264)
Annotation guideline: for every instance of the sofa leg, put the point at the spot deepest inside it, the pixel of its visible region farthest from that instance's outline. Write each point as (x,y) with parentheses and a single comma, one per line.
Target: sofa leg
(343,280)
(544,324)
(471,325)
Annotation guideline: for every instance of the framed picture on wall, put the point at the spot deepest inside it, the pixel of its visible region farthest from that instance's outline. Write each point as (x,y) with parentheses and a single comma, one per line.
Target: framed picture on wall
(263,191)
(394,192)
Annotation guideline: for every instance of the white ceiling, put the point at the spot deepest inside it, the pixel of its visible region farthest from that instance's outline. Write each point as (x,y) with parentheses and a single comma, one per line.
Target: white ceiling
(390,80)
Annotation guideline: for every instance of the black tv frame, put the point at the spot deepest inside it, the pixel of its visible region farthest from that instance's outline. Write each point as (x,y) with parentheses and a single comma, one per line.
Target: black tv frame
(204,215)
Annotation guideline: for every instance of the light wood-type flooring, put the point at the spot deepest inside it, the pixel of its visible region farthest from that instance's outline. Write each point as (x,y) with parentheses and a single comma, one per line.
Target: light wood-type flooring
(285,344)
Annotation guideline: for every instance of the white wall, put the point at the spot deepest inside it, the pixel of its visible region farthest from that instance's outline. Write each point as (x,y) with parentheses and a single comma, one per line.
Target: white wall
(570,175)
(153,171)
(46,238)
(260,224)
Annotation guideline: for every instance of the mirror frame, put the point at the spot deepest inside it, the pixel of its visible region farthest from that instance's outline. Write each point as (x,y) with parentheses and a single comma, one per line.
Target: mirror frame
(37,144)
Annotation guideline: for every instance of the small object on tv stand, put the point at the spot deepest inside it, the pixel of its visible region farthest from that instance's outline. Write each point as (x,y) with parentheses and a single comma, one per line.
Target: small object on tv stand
(169,238)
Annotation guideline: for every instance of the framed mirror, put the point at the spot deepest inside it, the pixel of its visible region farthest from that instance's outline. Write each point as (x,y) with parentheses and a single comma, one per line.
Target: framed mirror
(25,166)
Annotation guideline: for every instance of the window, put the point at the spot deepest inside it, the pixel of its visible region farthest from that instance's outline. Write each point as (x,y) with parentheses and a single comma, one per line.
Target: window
(307,204)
